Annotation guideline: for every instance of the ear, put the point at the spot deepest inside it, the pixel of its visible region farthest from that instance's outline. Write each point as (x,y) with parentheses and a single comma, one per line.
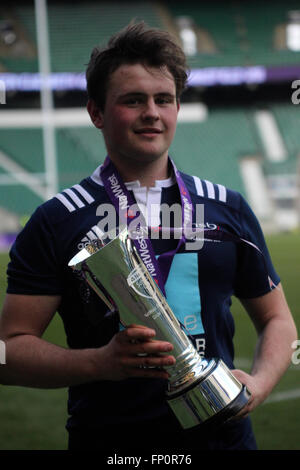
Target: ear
(95,114)
(178,106)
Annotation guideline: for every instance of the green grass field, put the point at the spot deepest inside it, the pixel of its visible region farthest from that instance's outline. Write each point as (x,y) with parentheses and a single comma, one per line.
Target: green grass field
(34,419)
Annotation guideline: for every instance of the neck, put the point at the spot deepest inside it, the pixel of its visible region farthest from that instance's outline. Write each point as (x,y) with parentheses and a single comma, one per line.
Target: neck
(146,172)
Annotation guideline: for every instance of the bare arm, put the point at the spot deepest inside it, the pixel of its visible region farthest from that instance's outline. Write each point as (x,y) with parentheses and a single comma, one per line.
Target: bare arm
(276,331)
(31,361)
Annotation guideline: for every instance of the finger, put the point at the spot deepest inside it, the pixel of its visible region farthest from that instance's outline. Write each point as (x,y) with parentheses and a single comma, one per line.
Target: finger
(150,347)
(237,419)
(134,325)
(137,333)
(243,413)
(242,416)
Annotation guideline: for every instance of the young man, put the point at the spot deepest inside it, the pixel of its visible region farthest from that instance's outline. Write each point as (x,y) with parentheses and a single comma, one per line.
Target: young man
(117,393)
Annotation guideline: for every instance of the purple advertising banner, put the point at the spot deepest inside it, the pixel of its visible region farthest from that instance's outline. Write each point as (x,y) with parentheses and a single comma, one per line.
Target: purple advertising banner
(211,76)
(283,74)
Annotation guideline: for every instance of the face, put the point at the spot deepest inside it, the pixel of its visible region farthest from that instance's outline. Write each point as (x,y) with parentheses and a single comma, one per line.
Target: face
(140,115)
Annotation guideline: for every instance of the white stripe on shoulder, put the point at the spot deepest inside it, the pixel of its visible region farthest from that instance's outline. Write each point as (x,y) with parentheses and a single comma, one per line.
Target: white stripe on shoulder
(65,202)
(222,193)
(74,197)
(198,185)
(83,193)
(210,189)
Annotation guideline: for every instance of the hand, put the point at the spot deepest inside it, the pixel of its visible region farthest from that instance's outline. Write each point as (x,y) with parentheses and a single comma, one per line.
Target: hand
(256,388)
(134,353)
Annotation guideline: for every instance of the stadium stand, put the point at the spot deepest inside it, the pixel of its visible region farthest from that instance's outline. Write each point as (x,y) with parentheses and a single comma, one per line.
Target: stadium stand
(244,33)
(239,33)
(80,151)
(70,39)
(25,147)
(18,199)
(17,40)
(215,146)
(287,117)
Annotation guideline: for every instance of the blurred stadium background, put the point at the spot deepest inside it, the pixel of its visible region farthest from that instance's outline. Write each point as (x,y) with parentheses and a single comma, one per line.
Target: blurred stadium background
(239,125)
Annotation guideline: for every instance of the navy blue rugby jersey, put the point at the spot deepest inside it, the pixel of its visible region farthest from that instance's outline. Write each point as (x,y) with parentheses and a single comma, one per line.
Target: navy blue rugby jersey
(199,287)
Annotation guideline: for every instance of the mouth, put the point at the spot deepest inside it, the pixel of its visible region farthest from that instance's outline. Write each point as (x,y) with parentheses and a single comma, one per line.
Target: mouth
(148,131)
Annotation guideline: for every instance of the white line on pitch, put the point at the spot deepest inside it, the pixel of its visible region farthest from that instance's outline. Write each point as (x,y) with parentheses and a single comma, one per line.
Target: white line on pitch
(283,396)
(244,362)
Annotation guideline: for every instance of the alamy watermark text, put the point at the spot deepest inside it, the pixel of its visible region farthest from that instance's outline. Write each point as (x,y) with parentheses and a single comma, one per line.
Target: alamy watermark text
(296,94)
(174,224)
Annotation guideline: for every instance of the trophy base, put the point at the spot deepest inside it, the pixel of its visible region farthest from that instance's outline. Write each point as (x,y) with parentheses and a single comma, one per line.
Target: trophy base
(229,411)
(211,400)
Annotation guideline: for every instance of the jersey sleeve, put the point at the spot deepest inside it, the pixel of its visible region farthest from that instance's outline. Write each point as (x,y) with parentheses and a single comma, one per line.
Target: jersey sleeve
(34,262)
(256,274)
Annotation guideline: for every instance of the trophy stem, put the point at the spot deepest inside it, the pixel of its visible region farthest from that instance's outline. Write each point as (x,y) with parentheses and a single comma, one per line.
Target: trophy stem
(189,367)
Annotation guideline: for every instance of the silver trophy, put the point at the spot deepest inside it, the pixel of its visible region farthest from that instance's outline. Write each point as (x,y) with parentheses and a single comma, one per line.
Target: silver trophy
(200,391)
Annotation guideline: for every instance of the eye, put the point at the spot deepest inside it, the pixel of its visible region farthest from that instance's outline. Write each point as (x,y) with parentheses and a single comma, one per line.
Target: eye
(164,100)
(133,101)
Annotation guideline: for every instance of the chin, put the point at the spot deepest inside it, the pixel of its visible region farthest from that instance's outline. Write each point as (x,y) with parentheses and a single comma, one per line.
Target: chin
(147,158)
(151,155)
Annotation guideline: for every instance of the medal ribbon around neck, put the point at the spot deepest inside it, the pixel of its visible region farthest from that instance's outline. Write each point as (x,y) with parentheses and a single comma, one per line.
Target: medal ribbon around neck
(122,200)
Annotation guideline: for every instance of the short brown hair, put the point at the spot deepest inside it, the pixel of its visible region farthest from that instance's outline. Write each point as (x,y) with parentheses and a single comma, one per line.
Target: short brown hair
(137,43)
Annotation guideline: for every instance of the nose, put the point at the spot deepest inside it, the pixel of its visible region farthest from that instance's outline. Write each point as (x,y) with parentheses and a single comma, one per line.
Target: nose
(150,111)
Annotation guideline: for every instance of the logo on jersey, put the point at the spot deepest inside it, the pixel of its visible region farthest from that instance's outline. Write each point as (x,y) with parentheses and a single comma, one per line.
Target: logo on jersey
(95,233)
(206,225)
